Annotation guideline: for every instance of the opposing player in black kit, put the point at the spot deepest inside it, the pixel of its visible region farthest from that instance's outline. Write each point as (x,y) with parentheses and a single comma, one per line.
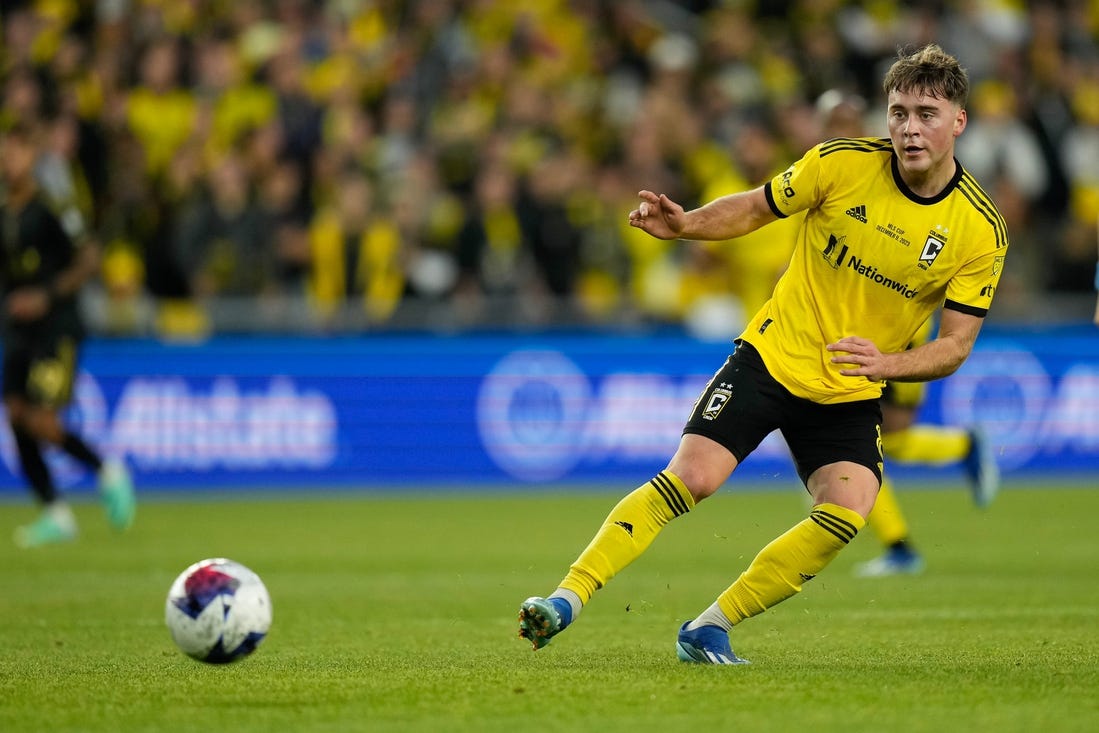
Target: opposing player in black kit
(42,270)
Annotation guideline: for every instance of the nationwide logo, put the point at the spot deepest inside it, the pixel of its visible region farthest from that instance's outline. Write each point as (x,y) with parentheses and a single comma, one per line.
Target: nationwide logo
(871,273)
(858,212)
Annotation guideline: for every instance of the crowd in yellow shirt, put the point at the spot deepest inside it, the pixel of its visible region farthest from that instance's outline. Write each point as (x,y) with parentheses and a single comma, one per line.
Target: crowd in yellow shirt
(374,155)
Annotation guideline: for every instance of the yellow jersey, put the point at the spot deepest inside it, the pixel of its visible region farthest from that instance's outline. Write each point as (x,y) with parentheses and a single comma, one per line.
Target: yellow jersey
(872,259)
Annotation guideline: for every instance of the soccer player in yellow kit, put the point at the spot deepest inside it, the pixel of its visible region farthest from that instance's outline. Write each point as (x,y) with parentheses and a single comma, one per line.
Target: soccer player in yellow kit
(894,229)
(904,439)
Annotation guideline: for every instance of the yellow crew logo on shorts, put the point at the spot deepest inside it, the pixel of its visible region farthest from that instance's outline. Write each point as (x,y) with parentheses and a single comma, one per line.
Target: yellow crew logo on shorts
(49,381)
(719,397)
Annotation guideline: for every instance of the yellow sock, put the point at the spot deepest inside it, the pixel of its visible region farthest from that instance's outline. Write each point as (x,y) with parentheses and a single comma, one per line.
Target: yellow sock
(627,531)
(791,559)
(927,444)
(886,519)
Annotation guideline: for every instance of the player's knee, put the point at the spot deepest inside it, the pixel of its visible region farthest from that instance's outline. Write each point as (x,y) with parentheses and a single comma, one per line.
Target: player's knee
(702,465)
(700,481)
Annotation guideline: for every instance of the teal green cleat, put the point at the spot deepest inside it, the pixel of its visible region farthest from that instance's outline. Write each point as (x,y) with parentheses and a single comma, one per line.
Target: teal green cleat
(116,489)
(540,619)
(46,530)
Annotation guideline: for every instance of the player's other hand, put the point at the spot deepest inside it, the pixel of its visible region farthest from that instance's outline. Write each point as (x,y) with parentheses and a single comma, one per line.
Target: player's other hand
(860,356)
(28,304)
(658,215)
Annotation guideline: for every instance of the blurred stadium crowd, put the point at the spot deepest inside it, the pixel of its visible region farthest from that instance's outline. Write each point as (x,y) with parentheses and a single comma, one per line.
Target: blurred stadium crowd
(385,163)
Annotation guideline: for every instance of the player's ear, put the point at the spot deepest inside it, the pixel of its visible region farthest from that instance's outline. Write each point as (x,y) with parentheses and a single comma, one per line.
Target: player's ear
(960,121)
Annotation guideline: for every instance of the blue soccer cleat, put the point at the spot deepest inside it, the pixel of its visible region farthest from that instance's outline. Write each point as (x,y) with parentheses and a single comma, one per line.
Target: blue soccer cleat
(540,619)
(980,466)
(705,645)
(895,561)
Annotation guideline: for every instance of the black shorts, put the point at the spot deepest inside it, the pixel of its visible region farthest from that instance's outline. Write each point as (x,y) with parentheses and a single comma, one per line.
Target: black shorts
(743,403)
(41,371)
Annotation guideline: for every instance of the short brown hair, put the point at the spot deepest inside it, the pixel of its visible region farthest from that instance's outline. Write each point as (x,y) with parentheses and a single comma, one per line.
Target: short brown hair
(930,70)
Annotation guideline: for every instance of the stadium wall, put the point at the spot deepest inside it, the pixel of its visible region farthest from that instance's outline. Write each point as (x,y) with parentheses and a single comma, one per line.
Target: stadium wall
(416,410)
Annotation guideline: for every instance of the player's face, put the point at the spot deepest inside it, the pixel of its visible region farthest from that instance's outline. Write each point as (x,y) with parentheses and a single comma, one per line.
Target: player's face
(923,129)
(16,158)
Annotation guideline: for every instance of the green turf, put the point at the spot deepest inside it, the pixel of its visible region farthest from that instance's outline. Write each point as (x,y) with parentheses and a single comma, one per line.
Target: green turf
(397,613)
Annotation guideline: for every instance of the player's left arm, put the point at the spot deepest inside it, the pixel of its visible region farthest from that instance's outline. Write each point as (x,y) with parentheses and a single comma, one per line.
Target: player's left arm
(84,264)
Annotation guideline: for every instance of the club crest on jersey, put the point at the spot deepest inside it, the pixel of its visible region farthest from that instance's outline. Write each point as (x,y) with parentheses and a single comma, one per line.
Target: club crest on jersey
(931,249)
(719,397)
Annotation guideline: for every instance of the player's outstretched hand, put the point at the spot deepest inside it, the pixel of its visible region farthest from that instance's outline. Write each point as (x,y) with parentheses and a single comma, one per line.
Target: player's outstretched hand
(658,215)
(860,356)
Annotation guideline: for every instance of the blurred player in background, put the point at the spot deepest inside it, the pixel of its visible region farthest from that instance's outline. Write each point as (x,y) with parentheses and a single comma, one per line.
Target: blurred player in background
(41,272)
(1096,319)
(904,440)
(894,229)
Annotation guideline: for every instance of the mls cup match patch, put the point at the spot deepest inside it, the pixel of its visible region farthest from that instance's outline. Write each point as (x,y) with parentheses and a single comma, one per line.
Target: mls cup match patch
(719,397)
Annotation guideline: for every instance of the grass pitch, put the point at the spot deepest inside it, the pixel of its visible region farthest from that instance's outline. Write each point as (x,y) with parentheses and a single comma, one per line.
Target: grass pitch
(396,612)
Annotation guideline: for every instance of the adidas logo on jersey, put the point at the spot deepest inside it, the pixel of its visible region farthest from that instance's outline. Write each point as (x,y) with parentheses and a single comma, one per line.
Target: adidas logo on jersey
(858,212)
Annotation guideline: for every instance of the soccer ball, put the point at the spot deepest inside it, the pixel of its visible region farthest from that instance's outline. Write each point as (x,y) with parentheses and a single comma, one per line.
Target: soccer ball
(218,611)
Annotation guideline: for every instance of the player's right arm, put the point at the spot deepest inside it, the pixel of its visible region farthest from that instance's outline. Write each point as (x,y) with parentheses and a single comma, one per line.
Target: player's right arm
(727,217)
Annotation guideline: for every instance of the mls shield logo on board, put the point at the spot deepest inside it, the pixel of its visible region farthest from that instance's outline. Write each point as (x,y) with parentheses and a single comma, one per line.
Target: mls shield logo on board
(718,399)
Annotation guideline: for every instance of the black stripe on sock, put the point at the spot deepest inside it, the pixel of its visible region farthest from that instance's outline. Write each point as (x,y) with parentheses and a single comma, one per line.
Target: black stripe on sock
(667,490)
(839,520)
(667,493)
(843,530)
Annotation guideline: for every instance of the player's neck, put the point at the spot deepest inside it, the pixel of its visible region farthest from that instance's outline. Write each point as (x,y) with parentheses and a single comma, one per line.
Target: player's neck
(930,183)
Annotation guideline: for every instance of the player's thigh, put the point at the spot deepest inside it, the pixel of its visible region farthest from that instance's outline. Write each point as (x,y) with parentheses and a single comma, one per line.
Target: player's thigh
(822,435)
(736,410)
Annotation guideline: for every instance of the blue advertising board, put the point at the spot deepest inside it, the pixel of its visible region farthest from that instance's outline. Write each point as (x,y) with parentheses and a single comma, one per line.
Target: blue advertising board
(391,411)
